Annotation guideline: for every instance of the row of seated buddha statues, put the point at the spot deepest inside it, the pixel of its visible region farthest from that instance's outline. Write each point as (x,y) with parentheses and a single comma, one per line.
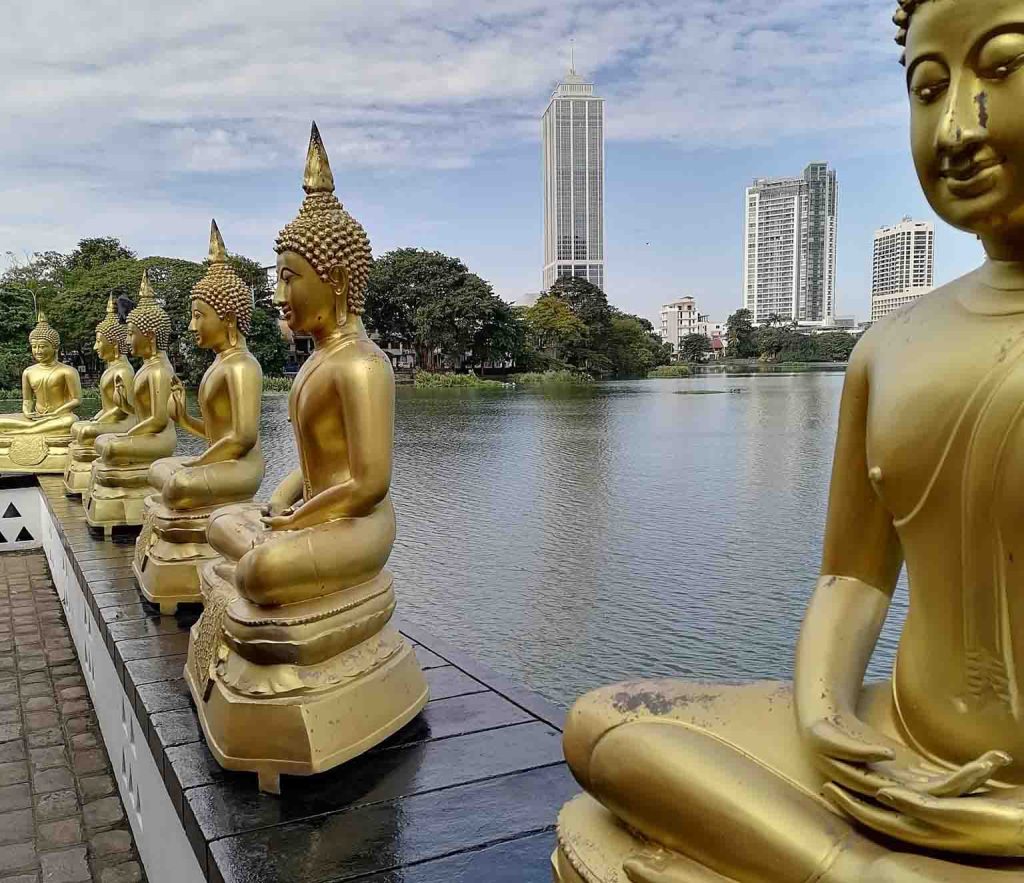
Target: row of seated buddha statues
(119,481)
(173,544)
(39,438)
(294,665)
(834,779)
(114,416)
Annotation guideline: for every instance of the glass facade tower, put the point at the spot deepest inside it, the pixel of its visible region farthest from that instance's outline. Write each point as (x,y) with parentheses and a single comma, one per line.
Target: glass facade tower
(789,260)
(572,136)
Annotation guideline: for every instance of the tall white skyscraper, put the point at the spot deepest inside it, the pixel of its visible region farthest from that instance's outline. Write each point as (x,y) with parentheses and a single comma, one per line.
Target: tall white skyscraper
(572,132)
(789,254)
(904,266)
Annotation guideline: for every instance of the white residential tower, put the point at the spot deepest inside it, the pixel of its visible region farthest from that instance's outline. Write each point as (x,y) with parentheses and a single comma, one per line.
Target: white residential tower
(904,266)
(789,254)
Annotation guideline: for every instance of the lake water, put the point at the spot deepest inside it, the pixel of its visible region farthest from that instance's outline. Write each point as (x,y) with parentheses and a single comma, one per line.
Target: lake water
(572,538)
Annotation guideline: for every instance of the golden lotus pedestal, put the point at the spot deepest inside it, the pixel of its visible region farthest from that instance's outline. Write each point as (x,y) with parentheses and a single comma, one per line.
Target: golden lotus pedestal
(116,496)
(593,845)
(169,553)
(300,688)
(38,454)
(78,472)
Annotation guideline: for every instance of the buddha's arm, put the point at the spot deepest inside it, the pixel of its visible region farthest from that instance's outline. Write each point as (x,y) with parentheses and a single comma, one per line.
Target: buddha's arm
(159,417)
(367,402)
(287,493)
(73,388)
(245,386)
(27,399)
(861,563)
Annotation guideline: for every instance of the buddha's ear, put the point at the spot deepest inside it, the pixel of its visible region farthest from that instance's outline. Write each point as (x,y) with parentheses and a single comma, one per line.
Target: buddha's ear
(339,278)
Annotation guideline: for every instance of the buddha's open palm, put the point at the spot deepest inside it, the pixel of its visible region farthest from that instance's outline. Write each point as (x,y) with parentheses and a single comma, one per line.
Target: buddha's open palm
(985,823)
(859,758)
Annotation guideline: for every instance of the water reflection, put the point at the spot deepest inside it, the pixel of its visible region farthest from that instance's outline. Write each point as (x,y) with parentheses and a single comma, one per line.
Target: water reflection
(568,539)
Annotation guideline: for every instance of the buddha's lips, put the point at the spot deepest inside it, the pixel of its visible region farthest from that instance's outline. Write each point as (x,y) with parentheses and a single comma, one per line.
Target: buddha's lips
(966,171)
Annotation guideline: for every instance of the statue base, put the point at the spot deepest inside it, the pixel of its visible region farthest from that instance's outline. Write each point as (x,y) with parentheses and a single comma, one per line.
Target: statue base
(169,552)
(38,454)
(79,469)
(593,845)
(116,496)
(293,718)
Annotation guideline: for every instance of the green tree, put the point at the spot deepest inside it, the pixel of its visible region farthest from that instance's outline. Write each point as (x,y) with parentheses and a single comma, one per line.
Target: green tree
(554,329)
(401,282)
(588,302)
(631,348)
(454,323)
(95,252)
(694,347)
(740,330)
(501,336)
(834,346)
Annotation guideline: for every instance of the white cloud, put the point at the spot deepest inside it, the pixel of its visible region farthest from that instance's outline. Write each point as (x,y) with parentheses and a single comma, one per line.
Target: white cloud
(108,104)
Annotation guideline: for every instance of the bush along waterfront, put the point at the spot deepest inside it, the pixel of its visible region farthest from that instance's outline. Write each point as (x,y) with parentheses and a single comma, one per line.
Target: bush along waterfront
(449,380)
(564,377)
(667,371)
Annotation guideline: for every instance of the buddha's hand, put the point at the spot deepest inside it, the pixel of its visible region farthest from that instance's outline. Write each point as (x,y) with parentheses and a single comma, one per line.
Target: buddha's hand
(861,759)
(119,391)
(984,823)
(176,402)
(284,521)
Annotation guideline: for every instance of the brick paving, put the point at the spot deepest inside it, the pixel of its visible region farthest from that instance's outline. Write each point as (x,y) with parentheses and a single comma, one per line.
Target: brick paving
(61,819)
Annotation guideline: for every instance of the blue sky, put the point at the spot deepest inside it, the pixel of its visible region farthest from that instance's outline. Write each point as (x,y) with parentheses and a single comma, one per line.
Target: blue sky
(144,120)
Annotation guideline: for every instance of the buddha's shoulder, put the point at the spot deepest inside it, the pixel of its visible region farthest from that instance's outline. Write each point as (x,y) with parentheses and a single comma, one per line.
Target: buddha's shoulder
(361,354)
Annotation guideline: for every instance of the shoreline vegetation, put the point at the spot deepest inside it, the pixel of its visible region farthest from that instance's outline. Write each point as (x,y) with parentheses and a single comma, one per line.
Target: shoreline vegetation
(527,380)
(670,371)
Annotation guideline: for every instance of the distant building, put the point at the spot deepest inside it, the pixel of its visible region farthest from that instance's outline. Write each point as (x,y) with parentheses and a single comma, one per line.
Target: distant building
(572,134)
(903,267)
(789,253)
(680,318)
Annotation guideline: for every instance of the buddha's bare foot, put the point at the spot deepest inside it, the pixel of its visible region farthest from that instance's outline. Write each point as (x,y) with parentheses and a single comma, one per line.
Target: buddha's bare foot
(662,866)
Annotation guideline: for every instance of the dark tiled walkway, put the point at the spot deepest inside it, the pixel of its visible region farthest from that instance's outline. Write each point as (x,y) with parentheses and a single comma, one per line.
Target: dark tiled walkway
(61,819)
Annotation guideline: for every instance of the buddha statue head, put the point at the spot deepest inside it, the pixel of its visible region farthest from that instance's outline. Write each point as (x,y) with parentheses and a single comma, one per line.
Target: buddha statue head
(44,341)
(965,76)
(111,335)
(149,326)
(222,303)
(323,256)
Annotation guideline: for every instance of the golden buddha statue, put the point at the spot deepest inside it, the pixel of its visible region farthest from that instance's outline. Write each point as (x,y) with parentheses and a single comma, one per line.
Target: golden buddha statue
(39,438)
(173,543)
(119,483)
(834,780)
(293,665)
(111,346)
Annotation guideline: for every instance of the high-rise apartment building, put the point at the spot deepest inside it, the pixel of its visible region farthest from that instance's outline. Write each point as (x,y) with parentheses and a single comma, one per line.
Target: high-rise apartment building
(904,266)
(572,133)
(789,254)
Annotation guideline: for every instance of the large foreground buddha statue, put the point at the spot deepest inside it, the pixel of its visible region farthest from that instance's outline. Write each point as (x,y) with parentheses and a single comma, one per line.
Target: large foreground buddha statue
(834,779)
(119,483)
(39,438)
(113,416)
(173,545)
(294,666)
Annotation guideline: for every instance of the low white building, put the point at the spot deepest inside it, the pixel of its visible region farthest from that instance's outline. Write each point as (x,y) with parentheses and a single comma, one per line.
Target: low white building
(680,318)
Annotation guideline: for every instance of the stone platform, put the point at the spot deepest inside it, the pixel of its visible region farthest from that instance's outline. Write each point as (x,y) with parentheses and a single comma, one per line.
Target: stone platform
(61,819)
(469,791)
